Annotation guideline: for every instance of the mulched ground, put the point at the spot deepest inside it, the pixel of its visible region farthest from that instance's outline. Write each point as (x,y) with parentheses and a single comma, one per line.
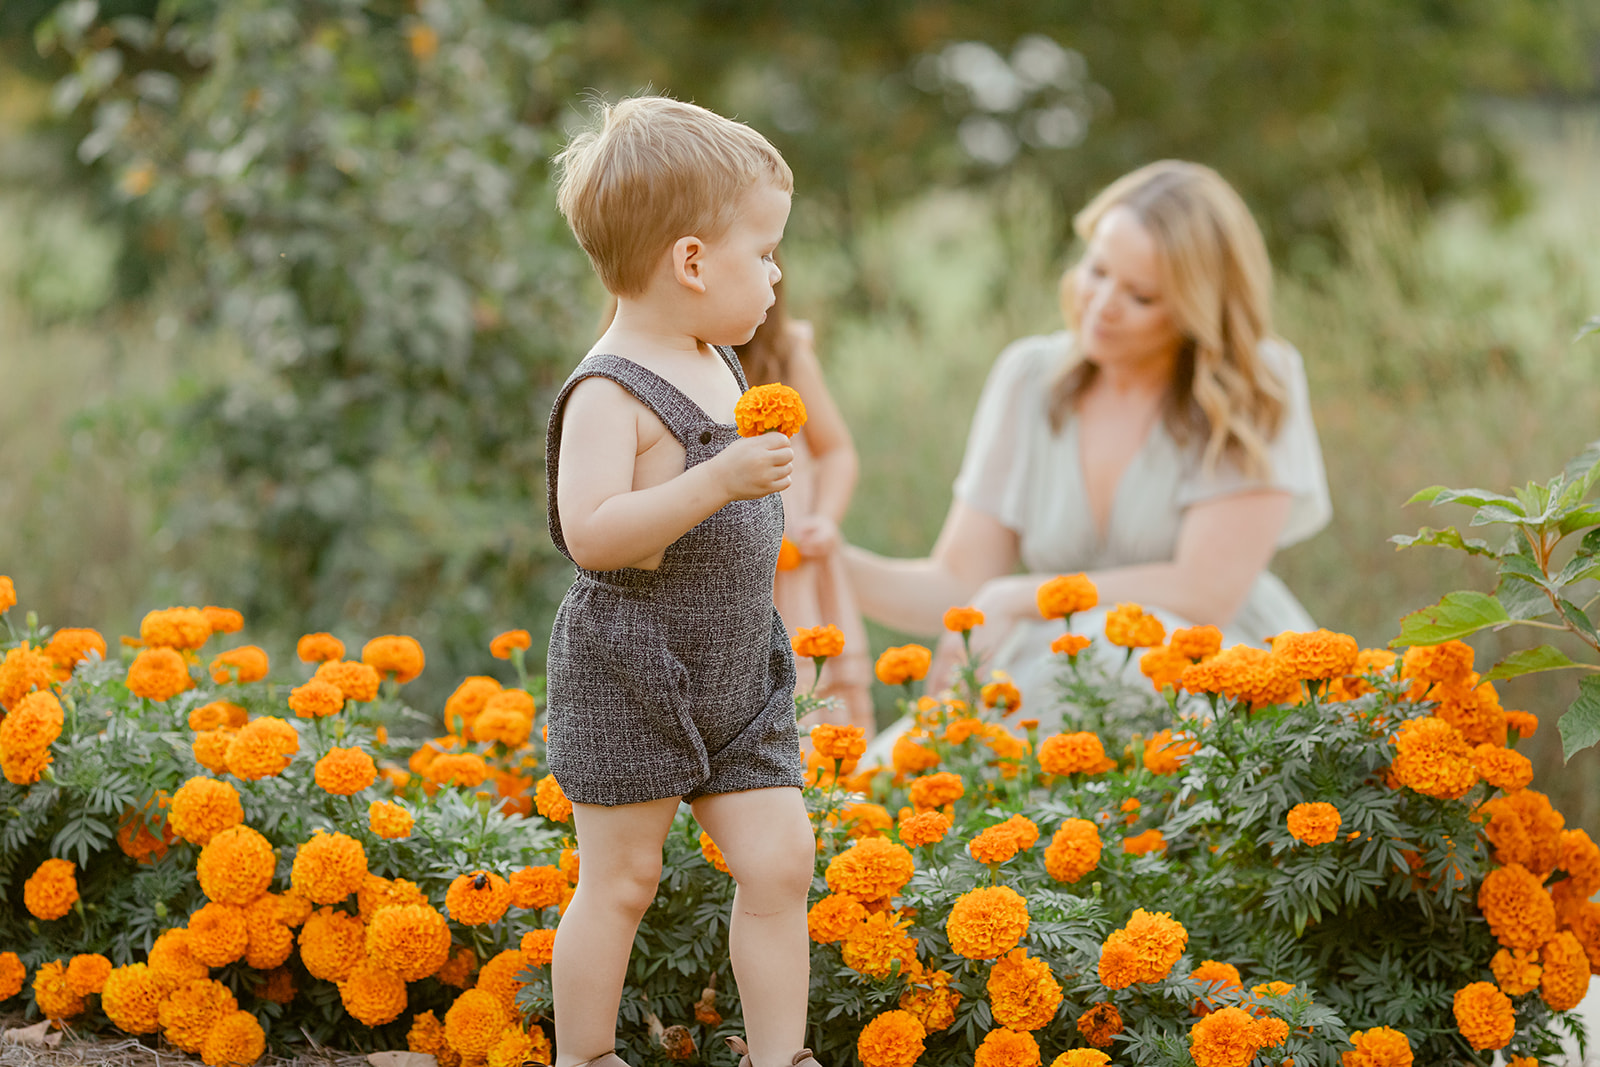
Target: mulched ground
(79,1050)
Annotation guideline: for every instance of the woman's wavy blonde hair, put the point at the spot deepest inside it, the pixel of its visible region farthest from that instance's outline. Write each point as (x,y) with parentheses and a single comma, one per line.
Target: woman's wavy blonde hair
(1217,280)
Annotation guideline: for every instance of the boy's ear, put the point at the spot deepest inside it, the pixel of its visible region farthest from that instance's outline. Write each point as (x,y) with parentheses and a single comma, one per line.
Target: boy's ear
(687,254)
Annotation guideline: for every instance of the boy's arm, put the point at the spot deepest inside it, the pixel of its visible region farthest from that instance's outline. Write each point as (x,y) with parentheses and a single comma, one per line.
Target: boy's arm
(608,524)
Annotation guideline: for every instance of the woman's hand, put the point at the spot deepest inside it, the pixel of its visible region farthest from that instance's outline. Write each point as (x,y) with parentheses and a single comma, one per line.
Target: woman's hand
(1004,602)
(816,536)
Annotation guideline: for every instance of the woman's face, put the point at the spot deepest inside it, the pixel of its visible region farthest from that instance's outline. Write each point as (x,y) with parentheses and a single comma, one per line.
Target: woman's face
(1119,300)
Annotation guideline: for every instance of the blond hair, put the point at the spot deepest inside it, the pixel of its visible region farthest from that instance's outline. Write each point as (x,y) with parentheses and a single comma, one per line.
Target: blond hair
(655,170)
(1218,281)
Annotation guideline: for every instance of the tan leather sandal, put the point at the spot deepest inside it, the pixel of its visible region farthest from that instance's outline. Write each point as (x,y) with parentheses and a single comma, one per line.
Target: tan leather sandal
(803,1058)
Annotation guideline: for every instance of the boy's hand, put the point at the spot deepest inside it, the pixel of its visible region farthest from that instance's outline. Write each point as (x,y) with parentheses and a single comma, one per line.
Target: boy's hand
(815,536)
(754,467)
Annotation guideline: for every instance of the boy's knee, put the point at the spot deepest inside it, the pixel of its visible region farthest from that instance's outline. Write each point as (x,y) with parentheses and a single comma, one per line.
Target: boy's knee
(785,871)
(630,888)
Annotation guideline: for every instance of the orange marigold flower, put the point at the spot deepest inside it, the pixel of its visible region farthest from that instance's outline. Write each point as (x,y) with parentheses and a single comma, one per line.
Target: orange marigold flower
(987,922)
(268,941)
(1473,708)
(892,1039)
(411,940)
(550,801)
(1317,656)
(1502,768)
(1565,980)
(1127,626)
(508,642)
(236,866)
(872,946)
(426,1034)
(319,648)
(843,743)
(262,747)
(332,943)
(218,934)
(473,1023)
(223,620)
(51,890)
(377,893)
(394,654)
(1081,1057)
(911,757)
(833,917)
(1484,1016)
(923,828)
(1225,1038)
(865,819)
(217,715)
(478,898)
(86,974)
(1430,664)
(1223,975)
(936,790)
(8,594)
(468,700)
(1315,824)
(1065,595)
(1142,951)
(537,887)
(1518,908)
(192,1009)
(765,408)
(204,807)
(928,996)
(32,727)
(389,820)
(1525,829)
(1433,758)
(903,664)
(175,628)
(1369,661)
(248,663)
(996,844)
(373,994)
(788,555)
(959,620)
(515,1047)
(1075,753)
(158,674)
(12,975)
(1001,693)
(1380,1046)
(1007,1048)
(1074,851)
(1270,1033)
(1143,844)
(870,869)
(1100,1023)
(465,769)
(328,867)
(316,699)
(51,994)
(71,646)
(1579,856)
(1070,645)
(1525,723)
(1164,666)
(210,748)
(1166,752)
(355,681)
(507,719)
(237,1040)
(713,854)
(1023,994)
(538,947)
(131,998)
(1196,643)
(345,771)
(1516,971)
(962,728)
(458,971)
(817,642)
(172,961)
(23,670)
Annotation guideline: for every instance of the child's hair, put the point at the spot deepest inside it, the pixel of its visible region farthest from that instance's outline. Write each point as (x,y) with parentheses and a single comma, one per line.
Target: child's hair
(656,170)
(765,357)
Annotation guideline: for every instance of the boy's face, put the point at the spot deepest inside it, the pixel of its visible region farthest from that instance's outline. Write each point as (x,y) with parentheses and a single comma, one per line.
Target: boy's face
(738,269)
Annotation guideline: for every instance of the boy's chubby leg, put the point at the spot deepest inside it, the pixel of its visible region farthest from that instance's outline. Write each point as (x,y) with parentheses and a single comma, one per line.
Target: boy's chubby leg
(767,839)
(621,854)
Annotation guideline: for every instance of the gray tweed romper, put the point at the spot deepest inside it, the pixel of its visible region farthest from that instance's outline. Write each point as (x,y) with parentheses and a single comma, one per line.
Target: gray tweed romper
(679,681)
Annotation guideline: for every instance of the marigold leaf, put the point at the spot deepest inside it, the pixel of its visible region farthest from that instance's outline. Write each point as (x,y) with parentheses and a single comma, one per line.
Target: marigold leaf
(1477,498)
(1427,495)
(1580,724)
(1493,513)
(1523,600)
(1457,615)
(1530,661)
(1576,617)
(1579,520)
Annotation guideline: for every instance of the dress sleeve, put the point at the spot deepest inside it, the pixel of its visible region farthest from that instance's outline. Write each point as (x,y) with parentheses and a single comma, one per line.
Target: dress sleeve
(1295,457)
(994,469)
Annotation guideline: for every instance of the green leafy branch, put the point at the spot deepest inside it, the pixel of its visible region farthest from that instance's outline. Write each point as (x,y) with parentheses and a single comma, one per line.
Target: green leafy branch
(1540,584)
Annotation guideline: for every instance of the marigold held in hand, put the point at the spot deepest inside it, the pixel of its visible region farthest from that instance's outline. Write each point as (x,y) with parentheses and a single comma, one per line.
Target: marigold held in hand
(903,664)
(1065,595)
(767,408)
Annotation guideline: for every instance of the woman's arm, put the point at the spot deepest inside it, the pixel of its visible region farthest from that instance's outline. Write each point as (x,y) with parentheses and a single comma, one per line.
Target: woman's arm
(827,435)
(912,594)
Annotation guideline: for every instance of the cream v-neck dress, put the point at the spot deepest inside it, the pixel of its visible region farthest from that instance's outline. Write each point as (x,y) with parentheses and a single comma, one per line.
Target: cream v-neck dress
(1030,478)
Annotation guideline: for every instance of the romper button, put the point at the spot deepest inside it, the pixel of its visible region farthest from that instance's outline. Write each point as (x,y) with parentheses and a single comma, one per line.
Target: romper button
(705,437)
